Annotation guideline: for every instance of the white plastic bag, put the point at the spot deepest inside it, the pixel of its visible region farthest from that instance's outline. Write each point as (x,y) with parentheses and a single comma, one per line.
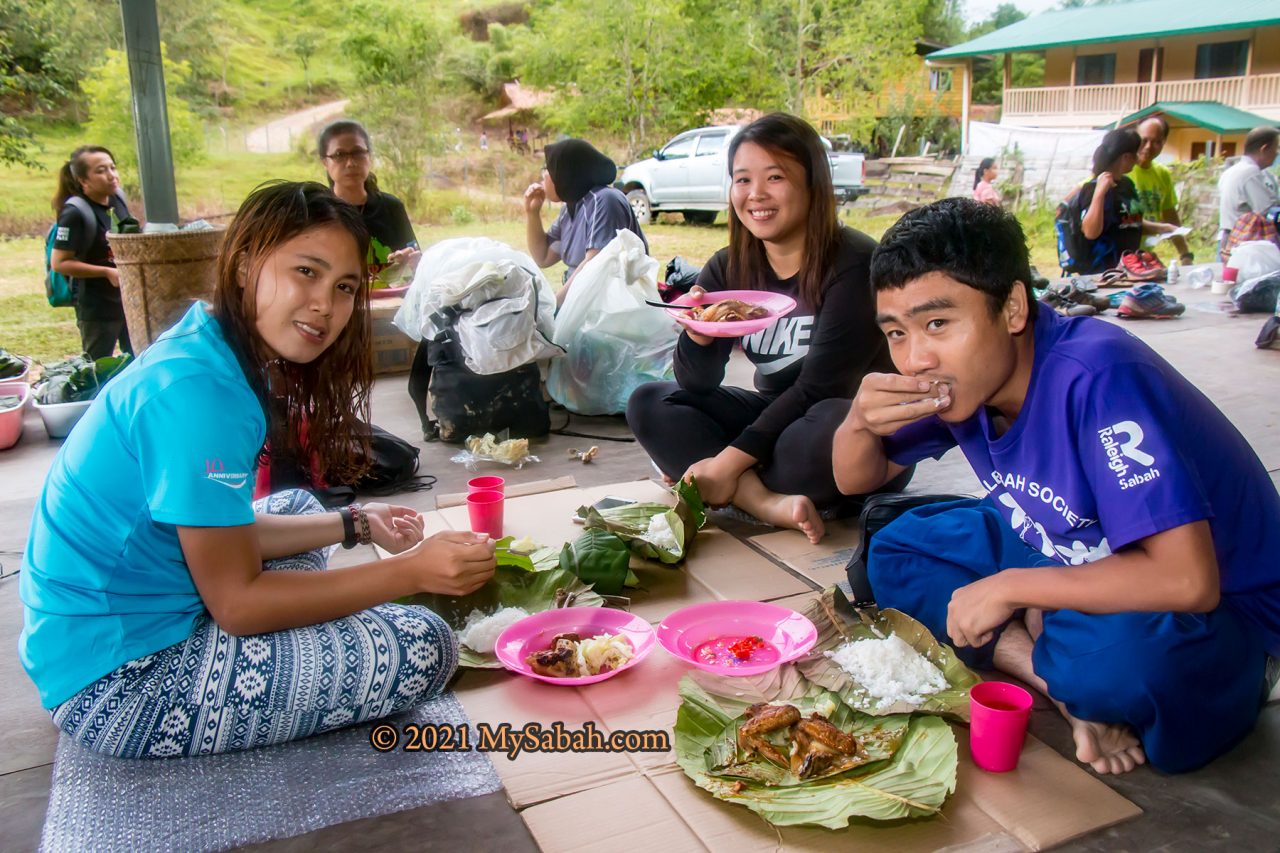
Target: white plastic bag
(495,297)
(1255,259)
(614,342)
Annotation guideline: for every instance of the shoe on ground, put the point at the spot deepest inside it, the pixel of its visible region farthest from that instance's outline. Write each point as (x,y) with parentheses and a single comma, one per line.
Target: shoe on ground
(1142,266)
(1073,310)
(1149,301)
(1073,292)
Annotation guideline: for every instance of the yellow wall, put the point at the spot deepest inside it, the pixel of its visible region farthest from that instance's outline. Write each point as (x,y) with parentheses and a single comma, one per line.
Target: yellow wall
(1179,55)
(1181,139)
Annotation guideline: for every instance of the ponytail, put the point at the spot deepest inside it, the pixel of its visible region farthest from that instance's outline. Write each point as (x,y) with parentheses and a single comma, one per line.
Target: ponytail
(72,172)
(987,163)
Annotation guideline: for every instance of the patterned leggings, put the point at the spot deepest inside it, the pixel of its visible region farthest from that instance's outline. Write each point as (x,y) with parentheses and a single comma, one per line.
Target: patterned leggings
(214,692)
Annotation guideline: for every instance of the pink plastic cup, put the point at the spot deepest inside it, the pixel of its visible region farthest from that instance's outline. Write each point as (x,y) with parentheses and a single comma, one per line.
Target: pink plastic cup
(1230,274)
(486,484)
(998,716)
(485,509)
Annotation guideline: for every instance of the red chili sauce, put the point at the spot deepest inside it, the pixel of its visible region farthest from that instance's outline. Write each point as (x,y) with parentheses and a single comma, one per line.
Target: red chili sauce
(736,651)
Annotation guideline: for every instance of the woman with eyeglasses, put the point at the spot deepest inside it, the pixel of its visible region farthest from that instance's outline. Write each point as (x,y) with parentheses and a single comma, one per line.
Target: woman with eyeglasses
(345,150)
(580,177)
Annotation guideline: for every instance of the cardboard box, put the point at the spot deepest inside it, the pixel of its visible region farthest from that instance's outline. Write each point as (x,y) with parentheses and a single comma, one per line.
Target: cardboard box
(822,564)
(391,348)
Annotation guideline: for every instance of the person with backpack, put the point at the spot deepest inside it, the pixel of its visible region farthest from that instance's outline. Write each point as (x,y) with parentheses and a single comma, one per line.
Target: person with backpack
(165,612)
(87,200)
(1105,215)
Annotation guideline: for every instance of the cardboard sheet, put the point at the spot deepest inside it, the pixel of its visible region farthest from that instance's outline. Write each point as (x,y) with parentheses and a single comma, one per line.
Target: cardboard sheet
(623,816)
(513,490)
(822,563)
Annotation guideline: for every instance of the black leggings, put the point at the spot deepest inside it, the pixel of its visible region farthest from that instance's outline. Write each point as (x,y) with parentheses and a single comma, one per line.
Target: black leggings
(678,428)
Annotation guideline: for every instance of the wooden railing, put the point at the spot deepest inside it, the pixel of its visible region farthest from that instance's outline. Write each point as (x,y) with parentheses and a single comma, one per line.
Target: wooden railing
(1256,91)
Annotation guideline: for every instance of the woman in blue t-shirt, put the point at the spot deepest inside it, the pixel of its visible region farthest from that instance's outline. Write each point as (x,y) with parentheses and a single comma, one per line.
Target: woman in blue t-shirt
(167,614)
(579,176)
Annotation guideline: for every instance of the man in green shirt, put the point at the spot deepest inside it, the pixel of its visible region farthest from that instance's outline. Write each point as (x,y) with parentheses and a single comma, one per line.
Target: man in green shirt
(1156,195)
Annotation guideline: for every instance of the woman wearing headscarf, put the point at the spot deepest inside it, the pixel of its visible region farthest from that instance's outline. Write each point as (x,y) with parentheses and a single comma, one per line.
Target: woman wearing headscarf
(579,176)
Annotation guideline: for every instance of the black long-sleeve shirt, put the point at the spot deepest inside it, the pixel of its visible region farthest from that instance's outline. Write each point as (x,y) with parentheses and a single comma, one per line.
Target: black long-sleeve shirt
(804,358)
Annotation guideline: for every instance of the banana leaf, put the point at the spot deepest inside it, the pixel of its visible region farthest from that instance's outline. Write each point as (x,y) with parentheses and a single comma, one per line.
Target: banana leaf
(839,622)
(631,522)
(914,782)
(511,586)
(599,558)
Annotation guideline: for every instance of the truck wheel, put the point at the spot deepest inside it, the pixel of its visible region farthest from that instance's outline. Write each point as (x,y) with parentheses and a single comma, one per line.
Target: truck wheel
(640,206)
(700,217)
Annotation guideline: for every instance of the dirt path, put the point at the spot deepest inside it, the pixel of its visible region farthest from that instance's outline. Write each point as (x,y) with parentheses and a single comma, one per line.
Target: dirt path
(279,136)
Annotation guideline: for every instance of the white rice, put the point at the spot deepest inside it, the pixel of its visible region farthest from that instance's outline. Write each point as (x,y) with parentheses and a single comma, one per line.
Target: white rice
(661,534)
(889,670)
(480,632)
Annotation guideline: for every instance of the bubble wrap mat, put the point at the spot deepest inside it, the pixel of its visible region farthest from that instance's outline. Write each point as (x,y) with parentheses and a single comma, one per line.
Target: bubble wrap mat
(220,801)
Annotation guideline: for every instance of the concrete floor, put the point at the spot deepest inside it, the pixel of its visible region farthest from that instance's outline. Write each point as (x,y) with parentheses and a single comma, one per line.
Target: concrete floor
(1232,805)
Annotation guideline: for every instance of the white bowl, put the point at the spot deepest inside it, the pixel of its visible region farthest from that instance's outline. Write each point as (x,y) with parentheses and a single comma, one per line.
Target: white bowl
(59,418)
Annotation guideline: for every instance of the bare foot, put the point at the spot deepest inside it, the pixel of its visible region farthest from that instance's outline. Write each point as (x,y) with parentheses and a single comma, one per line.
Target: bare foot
(1106,747)
(796,512)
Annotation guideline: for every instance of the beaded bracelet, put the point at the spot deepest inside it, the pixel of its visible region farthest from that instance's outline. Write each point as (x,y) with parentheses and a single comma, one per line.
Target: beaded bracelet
(366,536)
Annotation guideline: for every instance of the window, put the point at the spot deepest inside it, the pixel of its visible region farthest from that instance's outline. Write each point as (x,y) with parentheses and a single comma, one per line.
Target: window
(939,81)
(711,143)
(679,149)
(1150,63)
(1224,59)
(1096,70)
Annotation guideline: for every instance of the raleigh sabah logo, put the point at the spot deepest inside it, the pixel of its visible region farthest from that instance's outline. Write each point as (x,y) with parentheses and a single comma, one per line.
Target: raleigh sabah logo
(1120,442)
(214,470)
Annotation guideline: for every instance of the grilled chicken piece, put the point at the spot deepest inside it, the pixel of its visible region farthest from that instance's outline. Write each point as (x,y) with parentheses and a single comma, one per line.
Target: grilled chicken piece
(821,747)
(559,661)
(763,718)
(728,310)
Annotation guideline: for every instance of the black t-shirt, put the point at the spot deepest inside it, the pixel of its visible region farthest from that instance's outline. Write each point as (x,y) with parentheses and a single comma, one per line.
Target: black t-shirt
(1121,225)
(389,228)
(807,356)
(96,298)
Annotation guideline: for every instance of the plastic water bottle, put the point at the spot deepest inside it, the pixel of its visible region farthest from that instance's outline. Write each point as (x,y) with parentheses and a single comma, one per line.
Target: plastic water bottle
(1171,276)
(1200,277)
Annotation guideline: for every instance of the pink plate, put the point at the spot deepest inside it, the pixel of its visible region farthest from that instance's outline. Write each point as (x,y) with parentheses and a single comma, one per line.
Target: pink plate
(788,635)
(776,304)
(535,633)
(387,292)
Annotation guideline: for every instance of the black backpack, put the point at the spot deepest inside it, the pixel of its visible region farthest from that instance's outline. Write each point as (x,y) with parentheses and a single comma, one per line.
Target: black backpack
(467,403)
(878,512)
(1073,248)
(393,470)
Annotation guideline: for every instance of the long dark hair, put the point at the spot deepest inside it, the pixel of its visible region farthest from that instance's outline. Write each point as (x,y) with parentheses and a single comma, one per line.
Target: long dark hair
(326,399)
(336,128)
(987,163)
(73,172)
(791,137)
(1114,145)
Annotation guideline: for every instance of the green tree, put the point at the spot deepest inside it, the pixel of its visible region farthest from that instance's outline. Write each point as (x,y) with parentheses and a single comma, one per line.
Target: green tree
(1026,69)
(638,69)
(397,56)
(111,111)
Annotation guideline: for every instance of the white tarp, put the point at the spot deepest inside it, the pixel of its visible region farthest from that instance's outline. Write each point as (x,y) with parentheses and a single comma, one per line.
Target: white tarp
(1054,160)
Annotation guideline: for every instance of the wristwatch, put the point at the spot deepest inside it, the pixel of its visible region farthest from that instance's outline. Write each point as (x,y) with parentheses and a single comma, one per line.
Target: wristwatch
(350,537)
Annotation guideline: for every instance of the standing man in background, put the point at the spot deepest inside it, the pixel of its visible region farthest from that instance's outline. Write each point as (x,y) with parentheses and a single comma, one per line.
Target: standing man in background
(1154,182)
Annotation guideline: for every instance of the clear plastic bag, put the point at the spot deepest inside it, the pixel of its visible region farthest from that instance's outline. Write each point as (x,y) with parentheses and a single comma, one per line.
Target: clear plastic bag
(614,341)
(512,452)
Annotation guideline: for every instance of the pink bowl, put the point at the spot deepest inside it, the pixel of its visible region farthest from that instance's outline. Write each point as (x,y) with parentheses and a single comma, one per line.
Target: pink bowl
(535,633)
(11,419)
(789,634)
(776,304)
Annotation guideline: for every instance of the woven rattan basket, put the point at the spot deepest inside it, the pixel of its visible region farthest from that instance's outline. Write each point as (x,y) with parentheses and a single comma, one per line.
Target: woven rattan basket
(161,275)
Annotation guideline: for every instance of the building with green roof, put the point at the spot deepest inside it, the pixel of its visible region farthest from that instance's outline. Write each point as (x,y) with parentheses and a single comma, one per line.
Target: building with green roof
(1211,69)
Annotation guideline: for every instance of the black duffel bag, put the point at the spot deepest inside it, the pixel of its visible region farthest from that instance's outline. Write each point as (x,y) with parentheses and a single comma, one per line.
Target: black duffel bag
(878,512)
(467,403)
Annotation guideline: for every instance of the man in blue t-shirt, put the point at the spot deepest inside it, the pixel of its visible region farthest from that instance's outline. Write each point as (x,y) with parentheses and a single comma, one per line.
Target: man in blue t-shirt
(1124,558)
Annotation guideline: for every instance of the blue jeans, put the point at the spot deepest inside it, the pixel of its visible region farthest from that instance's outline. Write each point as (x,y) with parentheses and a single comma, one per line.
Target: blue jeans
(215,692)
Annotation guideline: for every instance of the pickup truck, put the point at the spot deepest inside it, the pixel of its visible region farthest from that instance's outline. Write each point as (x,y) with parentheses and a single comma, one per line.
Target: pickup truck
(690,175)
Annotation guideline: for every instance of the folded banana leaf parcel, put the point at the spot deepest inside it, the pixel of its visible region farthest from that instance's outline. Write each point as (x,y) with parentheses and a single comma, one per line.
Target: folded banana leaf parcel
(653,531)
(798,746)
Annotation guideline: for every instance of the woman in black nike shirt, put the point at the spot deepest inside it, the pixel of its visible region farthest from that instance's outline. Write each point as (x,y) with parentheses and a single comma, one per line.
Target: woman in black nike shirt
(345,150)
(768,451)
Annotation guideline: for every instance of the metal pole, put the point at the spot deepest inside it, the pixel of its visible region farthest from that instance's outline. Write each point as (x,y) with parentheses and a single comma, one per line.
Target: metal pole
(150,112)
